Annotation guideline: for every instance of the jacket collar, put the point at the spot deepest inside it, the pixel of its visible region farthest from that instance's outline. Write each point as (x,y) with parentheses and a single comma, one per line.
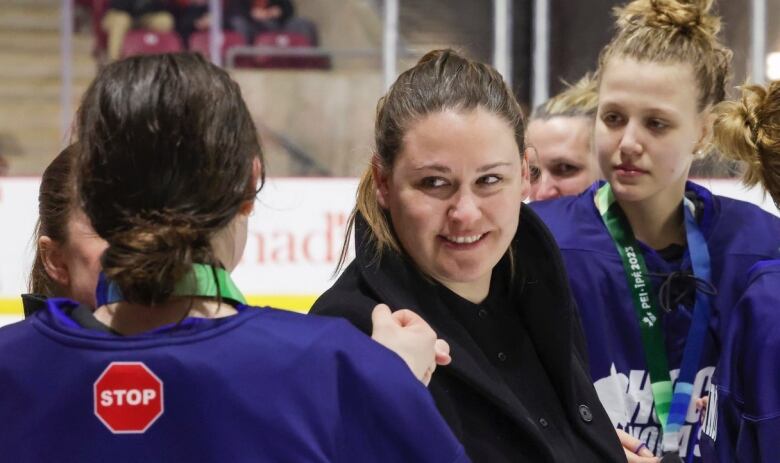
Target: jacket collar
(546,308)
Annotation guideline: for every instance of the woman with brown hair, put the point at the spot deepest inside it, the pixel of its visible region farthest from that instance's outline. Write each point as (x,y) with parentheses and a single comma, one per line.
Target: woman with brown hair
(656,262)
(743,414)
(67,264)
(67,253)
(173,365)
(440,229)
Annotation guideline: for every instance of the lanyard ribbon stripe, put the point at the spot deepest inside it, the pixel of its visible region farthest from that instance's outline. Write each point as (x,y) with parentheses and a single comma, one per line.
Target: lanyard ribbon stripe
(201,281)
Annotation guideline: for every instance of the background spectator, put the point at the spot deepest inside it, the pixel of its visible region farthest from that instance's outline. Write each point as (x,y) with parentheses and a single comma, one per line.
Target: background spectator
(192,16)
(122,15)
(251,17)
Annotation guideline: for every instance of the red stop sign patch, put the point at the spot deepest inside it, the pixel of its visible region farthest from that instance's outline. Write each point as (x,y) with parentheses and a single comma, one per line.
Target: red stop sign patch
(128,397)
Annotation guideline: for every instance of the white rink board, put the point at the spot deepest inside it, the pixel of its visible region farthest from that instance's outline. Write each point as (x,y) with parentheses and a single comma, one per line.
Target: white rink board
(294,240)
(295,235)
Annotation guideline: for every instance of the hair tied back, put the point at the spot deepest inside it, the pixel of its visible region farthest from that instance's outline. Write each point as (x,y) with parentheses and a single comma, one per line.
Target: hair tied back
(686,16)
(748,130)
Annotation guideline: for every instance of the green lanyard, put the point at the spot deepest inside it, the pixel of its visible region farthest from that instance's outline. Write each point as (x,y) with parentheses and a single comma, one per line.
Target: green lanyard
(671,407)
(644,298)
(201,281)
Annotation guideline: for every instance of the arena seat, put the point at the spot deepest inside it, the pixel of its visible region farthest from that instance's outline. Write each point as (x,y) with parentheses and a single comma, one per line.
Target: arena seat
(289,40)
(199,42)
(144,42)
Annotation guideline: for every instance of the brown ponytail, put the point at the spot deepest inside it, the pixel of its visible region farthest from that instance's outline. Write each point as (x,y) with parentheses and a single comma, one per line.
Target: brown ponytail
(168,147)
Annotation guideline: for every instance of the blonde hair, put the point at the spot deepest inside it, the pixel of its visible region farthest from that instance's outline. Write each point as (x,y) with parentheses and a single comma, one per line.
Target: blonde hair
(674,31)
(578,100)
(748,130)
(441,80)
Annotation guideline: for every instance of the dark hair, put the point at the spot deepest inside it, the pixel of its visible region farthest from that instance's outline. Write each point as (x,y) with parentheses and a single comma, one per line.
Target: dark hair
(441,80)
(56,200)
(167,149)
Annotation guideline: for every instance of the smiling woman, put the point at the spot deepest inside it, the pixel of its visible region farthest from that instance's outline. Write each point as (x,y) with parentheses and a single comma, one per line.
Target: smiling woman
(440,229)
(453,196)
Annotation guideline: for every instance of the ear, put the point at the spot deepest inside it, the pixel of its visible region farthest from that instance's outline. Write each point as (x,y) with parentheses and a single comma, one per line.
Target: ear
(707,120)
(381,182)
(53,261)
(525,172)
(257,169)
(249,205)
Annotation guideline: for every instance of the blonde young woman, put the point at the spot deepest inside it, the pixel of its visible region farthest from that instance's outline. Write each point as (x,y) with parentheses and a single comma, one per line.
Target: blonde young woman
(655,262)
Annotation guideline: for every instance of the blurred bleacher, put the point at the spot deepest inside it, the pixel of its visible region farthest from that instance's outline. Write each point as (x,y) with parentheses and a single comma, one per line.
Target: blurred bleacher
(315,114)
(30,81)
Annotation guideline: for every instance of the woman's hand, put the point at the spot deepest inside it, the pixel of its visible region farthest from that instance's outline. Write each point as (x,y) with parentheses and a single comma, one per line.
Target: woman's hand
(408,335)
(701,406)
(636,451)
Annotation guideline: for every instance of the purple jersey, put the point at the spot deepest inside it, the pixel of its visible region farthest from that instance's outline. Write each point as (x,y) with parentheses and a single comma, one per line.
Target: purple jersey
(262,385)
(598,281)
(743,415)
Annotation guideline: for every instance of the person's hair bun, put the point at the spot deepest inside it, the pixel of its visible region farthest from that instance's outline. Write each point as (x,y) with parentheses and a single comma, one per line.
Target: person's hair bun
(580,99)
(687,16)
(149,258)
(748,130)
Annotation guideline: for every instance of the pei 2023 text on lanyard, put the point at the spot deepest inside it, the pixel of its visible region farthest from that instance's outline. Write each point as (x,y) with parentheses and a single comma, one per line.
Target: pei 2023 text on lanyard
(671,405)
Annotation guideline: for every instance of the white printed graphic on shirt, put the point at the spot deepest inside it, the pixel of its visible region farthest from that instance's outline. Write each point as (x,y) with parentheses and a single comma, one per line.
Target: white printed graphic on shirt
(710,426)
(628,400)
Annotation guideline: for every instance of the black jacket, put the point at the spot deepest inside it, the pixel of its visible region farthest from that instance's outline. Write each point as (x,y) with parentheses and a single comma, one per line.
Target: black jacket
(490,421)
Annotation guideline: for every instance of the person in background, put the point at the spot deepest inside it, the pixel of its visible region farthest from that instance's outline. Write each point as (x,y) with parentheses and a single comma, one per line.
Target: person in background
(440,228)
(67,249)
(251,17)
(191,16)
(165,299)
(656,262)
(123,15)
(560,132)
(742,423)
